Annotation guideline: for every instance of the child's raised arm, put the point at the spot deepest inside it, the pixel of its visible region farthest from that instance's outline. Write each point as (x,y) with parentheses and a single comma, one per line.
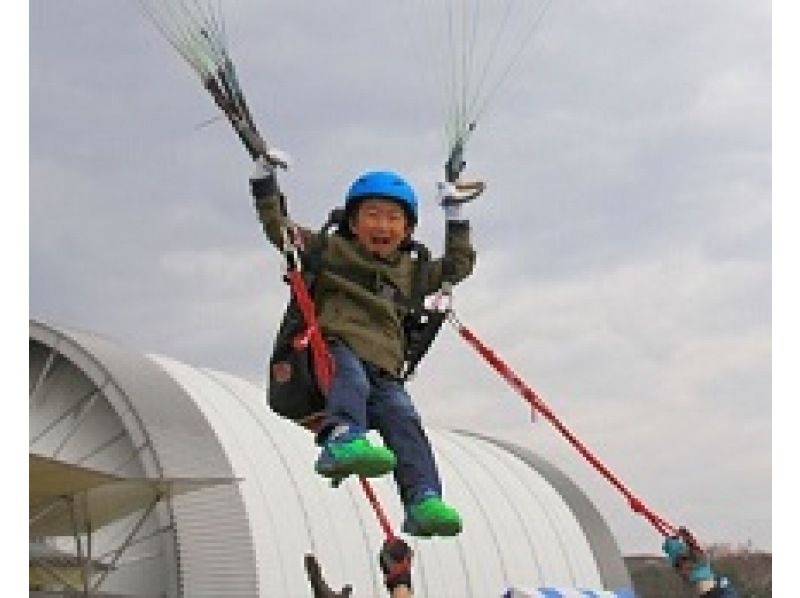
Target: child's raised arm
(270,204)
(458,260)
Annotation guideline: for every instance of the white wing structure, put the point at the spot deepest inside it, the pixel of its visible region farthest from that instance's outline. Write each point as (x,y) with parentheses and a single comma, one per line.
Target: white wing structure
(150,477)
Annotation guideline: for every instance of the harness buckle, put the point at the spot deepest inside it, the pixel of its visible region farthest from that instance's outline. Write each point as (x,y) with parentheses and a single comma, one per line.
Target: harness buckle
(292,243)
(443,299)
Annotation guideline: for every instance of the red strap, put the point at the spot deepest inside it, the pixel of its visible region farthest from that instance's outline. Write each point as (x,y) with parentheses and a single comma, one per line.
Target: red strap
(376,506)
(323,365)
(663,526)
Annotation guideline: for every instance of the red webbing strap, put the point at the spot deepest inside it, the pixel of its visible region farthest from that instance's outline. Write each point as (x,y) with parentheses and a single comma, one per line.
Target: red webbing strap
(323,368)
(323,365)
(663,526)
(383,519)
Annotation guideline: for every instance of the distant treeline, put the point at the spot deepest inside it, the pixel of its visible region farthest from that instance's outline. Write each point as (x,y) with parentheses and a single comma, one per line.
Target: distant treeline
(749,570)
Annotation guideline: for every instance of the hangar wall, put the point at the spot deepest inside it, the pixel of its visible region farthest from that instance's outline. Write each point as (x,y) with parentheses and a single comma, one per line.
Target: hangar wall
(526,524)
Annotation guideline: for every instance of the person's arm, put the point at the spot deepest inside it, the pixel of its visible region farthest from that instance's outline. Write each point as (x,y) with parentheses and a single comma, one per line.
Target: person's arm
(270,205)
(458,260)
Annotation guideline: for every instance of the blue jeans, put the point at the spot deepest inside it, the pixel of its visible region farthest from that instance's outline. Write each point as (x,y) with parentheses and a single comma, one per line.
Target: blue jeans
(362,397)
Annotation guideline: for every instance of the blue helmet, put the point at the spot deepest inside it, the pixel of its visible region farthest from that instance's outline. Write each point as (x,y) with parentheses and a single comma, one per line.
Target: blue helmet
(383,184)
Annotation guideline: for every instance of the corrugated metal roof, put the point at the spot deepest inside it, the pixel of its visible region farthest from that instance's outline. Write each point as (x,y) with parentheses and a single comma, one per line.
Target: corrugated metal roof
(519,530)
(522,527)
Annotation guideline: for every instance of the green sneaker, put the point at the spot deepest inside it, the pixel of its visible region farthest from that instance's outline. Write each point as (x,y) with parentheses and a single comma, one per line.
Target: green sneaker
(354,455)
(432,517)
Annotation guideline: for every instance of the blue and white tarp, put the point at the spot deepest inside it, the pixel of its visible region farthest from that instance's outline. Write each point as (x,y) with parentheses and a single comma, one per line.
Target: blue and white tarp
(567,593)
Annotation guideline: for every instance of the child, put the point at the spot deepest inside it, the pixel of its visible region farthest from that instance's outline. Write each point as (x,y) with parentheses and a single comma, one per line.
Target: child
(366,266)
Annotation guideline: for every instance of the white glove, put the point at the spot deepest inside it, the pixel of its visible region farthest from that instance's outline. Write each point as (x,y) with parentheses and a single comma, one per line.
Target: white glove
(263,181)
(262,169)
(453,196)
(445,196)
(278,157)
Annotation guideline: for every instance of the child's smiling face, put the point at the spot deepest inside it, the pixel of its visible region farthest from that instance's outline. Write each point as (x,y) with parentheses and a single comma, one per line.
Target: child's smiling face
(380,226)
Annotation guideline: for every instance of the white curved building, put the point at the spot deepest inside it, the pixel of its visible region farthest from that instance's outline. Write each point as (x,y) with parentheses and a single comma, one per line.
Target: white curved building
(99,406)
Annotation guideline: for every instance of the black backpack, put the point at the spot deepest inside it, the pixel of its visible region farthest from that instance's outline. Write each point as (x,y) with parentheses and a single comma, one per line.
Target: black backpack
(293,389)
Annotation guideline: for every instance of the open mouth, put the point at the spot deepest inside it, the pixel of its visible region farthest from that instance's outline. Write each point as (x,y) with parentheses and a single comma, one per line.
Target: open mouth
(380,242)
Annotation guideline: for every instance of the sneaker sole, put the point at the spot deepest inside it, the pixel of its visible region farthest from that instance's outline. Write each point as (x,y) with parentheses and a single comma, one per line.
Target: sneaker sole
(441,528)
(369,468)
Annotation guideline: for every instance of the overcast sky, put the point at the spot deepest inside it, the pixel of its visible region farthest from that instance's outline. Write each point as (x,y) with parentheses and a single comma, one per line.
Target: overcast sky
(624,244)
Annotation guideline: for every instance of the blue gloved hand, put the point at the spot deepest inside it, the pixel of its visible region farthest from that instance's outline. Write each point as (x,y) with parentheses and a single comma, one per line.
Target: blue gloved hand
(675,549)
(677,552)
(701,572)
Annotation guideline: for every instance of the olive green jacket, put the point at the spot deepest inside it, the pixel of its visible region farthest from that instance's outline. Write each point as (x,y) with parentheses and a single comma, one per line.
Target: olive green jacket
(366,321)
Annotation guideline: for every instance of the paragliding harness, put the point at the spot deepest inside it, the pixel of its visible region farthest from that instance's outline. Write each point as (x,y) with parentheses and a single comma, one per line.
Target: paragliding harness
(294,389)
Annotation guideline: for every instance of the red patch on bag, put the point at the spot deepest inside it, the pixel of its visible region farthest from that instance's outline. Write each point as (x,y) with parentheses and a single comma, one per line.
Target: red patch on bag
(281,372)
